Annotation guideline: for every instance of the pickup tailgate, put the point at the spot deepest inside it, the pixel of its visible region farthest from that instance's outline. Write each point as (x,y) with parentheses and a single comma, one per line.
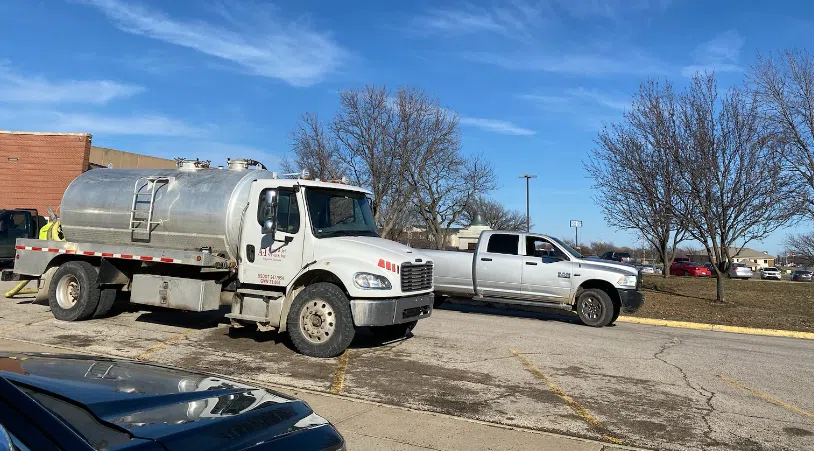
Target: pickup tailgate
(452,272)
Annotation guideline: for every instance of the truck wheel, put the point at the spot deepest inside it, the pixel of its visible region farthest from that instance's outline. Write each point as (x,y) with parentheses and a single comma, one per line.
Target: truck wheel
(106,300)
(595,308)
(394,332)
(74,294)
(320,322)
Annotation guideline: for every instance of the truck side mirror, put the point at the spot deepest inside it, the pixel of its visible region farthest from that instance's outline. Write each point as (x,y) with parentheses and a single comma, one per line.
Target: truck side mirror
(270,213)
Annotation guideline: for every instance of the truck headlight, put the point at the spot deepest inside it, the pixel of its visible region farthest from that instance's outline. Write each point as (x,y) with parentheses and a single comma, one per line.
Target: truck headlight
(368,281)
(627,281)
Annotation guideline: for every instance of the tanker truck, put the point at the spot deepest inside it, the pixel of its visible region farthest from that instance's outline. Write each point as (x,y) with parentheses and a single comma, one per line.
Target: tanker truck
(286,253)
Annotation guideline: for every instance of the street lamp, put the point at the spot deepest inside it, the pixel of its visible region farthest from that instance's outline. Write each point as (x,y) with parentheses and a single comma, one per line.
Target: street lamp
(528,218)
(576,224)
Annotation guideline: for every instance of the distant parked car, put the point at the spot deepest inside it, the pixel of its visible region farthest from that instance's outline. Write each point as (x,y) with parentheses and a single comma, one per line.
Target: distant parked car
(801,276)
(681,260)
(623,257)
(649,269)
(688,268)
(740,271)
(770,273)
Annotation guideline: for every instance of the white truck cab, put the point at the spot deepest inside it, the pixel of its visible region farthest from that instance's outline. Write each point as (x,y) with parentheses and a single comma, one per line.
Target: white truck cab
(287,254)
(539,270)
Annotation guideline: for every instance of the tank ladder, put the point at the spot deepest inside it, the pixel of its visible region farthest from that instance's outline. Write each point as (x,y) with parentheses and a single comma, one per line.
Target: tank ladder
(139,217)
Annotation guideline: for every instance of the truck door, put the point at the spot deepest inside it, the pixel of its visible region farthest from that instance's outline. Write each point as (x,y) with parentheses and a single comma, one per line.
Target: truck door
(547,271)
(498,267)
(268,259)
(13,225)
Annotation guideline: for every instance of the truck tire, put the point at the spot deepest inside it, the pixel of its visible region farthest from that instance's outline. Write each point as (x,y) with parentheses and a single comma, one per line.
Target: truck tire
(320,322)
(106,300)
(74,294)
(595,308)
(394,332)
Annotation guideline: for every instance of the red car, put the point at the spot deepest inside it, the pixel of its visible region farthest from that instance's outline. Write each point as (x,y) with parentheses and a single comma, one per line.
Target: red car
(687,268)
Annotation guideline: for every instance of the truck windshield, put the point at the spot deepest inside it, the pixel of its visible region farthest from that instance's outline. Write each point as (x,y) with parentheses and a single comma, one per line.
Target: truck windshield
(567,248)
(340,213)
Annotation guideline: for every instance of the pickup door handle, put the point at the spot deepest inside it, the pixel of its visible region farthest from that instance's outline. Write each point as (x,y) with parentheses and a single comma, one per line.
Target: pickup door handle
(531,263)
(485,259)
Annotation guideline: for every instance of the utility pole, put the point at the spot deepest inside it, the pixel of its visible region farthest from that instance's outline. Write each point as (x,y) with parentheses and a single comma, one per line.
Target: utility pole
(528,217)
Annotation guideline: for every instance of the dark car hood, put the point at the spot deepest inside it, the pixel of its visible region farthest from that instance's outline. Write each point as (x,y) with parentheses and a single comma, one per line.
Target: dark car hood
(179,408)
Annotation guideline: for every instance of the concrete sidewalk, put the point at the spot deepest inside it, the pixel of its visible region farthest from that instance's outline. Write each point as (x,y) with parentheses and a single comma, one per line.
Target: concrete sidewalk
(372,426)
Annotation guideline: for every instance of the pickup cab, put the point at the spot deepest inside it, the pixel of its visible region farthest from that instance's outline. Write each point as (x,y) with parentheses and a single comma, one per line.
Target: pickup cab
(538,270)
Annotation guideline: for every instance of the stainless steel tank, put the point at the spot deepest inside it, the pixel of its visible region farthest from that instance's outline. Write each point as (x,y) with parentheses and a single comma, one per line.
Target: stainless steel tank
(193,208)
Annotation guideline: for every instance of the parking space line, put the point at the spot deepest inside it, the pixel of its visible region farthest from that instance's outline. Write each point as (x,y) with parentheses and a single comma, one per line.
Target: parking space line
(766,397)
(581,411)
(152,349)
(338,383)
(21,325)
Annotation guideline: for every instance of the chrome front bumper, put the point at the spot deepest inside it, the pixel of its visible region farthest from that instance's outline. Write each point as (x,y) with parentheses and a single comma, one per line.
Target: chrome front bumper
(385,312)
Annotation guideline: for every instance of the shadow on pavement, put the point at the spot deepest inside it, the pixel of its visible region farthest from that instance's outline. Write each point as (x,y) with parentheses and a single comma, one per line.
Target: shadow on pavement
(488,308)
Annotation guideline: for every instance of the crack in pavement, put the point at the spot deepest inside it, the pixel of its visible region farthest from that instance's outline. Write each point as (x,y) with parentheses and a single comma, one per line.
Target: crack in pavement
(707,394)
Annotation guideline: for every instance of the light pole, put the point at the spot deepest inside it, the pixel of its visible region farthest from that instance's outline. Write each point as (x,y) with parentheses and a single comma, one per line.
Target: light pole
(528,218)
(576,224)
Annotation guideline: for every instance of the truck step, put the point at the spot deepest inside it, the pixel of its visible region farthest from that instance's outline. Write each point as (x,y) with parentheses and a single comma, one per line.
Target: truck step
(544,304)
(254,319)
(260,293)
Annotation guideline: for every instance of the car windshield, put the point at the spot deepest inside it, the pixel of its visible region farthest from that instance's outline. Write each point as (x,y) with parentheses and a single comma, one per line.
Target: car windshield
(567,248)
(340,213)
(770,269)
(623,255)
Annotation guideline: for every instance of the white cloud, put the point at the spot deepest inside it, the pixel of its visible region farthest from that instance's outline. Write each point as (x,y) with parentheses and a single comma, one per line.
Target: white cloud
(514,19)
(496,126)
(586,64)
(150,125)
(251,38)
(611,9)
(109,124)
(19,88)
(719,54)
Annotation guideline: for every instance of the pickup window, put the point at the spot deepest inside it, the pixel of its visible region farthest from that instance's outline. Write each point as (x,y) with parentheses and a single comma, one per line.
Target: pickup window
(541,247)
(503,244)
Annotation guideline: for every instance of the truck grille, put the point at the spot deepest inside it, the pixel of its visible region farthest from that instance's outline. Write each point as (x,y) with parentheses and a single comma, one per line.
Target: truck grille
(416,277)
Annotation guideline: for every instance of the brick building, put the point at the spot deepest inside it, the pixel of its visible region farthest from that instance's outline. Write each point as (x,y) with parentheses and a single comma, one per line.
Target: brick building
(35,168)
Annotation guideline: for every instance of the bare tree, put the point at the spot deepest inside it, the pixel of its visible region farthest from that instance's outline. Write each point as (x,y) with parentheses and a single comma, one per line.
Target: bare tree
(495,214)
(634,175)
(402,146)
(365,128)
(445,183)
(785,87)
(314,149)
(732,187)
(802,246)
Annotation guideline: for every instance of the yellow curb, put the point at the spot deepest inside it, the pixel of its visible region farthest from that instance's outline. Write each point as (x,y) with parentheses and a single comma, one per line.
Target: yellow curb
(717,327)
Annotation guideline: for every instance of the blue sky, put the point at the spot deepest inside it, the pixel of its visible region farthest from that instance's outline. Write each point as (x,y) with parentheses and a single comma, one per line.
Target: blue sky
(531,81)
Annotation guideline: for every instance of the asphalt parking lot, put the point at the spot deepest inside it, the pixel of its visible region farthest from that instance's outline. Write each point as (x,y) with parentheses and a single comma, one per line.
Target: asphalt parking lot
(645,386)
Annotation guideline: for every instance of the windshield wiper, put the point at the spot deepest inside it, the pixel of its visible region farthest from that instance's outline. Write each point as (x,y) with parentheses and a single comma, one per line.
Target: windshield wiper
(337,233)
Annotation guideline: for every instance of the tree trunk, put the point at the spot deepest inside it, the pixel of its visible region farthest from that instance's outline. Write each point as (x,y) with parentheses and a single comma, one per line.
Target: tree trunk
(719,289)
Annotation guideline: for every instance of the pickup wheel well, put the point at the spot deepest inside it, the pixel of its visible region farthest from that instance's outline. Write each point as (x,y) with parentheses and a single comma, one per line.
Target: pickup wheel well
(309,278)
(603,285)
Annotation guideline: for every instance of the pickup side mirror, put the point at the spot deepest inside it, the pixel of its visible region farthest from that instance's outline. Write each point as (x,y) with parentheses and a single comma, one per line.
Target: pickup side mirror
(269,213)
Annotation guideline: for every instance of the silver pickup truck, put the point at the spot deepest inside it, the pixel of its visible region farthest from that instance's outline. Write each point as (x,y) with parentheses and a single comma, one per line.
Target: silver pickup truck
(538,270)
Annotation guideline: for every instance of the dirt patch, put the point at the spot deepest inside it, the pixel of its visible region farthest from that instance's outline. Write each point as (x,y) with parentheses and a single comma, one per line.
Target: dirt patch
(749,303)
